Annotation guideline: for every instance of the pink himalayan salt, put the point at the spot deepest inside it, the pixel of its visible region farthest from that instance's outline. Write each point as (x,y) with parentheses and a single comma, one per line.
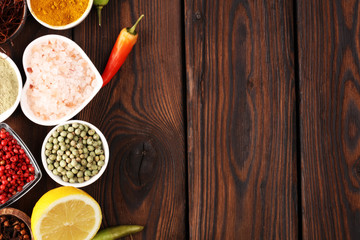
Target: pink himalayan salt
(60,79)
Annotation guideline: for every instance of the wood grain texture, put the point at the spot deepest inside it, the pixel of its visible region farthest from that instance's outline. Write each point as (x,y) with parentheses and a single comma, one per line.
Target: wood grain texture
(241,119)
(141,113)
(329,47)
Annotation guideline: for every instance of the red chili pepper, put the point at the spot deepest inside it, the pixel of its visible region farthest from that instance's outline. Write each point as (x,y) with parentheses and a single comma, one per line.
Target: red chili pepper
(124,43)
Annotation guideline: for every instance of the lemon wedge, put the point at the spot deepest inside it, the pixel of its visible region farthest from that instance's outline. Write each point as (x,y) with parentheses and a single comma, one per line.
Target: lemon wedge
(65,213)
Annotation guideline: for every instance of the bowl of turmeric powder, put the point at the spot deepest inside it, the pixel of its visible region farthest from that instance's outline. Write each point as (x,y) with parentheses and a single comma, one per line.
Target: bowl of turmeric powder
(60,14)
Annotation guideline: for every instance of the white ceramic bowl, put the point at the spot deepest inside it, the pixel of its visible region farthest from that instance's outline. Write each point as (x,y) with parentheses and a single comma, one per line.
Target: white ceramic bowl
(92,179)
(70,25)
(24,102)
(10,111)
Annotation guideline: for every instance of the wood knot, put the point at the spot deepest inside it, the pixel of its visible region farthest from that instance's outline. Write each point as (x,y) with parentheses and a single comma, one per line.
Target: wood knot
(198,15)
(141,163)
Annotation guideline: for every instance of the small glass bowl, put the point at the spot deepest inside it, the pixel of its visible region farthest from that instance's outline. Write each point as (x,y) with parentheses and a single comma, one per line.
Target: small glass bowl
(92,179)
(37,173)
(63,27)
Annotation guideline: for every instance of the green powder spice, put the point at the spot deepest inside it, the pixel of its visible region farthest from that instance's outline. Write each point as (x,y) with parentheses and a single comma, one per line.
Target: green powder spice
(9,85)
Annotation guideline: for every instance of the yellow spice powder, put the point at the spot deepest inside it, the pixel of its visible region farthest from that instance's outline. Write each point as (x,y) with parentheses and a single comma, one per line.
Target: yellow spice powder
(58,12)
(9,85)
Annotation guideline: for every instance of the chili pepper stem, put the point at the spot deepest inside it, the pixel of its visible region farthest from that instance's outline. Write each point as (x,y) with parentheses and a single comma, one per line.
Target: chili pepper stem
(132,29)
(99,8)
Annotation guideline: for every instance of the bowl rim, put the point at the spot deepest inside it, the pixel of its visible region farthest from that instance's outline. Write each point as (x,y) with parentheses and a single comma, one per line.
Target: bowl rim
(68,26)
(24,102)
(92,179)
(5,115)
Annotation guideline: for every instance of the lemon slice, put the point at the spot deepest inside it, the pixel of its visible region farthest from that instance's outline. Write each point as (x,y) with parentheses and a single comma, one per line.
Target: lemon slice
(65,213)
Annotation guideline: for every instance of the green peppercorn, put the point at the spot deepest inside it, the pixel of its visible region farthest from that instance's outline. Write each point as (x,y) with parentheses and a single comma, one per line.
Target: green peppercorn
(55,134)
(83,134)
(47,153)
(48,146)
(101,163)
(70,136)
(70,174)
(98,151)
(77,131)
(78,166)
(96,136)
(73,162)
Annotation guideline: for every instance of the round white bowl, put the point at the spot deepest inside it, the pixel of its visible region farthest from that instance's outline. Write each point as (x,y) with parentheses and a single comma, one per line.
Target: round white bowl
(70,25)
(92,179)
(10,111)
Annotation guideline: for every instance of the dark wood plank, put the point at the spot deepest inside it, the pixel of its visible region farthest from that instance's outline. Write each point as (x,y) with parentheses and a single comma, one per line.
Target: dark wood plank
(329,49)
(241,119)
(141,113)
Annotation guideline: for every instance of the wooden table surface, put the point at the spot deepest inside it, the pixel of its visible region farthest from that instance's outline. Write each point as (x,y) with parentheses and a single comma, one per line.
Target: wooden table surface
(231,119)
